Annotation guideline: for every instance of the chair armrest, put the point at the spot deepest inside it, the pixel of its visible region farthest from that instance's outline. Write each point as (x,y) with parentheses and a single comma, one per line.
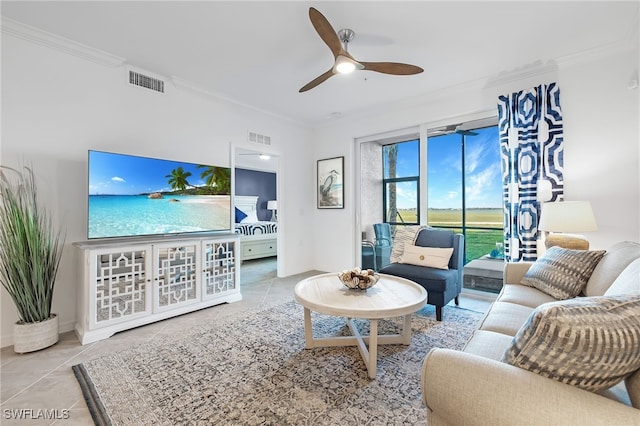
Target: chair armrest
(515,271)
(465,389)
(386,241)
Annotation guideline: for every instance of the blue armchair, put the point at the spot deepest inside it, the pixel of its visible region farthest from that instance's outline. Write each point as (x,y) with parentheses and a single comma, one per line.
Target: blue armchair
(442,285)
(383,244)
(377,254)
(369,255)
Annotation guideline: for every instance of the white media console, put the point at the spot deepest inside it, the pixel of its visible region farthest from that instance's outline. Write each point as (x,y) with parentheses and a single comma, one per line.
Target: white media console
(127,283)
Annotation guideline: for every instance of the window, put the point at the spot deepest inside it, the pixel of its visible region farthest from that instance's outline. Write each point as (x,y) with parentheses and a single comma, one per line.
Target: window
(464,187)
(401,182)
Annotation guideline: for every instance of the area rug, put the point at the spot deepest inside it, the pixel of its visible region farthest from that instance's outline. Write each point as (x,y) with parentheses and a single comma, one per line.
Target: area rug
(254,370)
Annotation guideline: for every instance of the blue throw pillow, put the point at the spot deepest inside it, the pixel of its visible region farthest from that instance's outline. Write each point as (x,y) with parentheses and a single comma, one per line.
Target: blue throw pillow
(240,215)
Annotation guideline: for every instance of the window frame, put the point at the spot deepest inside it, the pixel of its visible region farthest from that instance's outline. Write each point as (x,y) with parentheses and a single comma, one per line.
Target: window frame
(395,180)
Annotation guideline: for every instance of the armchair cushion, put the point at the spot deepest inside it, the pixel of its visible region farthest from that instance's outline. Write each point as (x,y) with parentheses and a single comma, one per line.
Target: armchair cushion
(434,280)
(562,273)
(589,342)
(432,257)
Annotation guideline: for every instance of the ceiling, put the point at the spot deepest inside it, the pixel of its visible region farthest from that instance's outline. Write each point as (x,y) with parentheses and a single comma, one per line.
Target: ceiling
(260,53)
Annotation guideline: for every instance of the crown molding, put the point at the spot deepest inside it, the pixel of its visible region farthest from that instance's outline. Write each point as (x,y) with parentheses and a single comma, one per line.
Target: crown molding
(44,38)
(183,84)
(595,53)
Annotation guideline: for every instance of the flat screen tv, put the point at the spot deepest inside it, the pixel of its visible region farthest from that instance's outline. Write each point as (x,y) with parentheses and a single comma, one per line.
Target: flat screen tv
(134,196)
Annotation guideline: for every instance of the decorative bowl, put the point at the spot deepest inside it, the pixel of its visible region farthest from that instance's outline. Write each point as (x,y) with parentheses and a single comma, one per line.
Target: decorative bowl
(359,279)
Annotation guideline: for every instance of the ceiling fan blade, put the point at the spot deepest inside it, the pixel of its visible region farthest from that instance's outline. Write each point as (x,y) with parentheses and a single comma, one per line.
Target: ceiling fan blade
(313,83)
(466,132)
(394,68)
(325,31)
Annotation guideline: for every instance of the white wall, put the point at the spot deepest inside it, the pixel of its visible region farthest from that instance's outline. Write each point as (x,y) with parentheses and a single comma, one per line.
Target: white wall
(56,106)
(601,159)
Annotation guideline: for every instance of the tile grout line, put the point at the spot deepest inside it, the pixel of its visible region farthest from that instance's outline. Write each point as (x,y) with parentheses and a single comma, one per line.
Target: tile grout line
(2,403)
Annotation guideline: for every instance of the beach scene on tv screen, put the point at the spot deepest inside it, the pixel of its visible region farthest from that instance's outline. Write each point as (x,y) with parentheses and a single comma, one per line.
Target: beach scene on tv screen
(132,195)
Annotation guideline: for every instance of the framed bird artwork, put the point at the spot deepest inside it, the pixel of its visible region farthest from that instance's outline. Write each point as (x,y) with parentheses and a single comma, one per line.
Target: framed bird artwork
(329,184)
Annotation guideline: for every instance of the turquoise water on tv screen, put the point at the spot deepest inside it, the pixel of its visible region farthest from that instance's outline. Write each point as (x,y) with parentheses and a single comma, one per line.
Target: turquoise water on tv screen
(127,215)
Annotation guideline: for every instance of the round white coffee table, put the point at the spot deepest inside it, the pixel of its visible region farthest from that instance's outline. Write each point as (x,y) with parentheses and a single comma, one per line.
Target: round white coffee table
(390,297)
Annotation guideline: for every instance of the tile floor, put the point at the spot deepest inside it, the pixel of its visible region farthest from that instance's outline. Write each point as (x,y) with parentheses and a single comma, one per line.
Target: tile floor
(44,380)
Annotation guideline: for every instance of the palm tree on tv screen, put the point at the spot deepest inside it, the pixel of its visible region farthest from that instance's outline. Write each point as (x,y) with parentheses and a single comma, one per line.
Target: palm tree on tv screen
(217,178)
(178,179)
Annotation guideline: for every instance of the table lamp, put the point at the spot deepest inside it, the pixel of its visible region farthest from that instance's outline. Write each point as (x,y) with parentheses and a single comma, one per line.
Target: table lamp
(566,217)
(273,206)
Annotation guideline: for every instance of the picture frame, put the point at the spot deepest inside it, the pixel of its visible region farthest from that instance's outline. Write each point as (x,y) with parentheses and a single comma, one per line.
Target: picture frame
(330,183)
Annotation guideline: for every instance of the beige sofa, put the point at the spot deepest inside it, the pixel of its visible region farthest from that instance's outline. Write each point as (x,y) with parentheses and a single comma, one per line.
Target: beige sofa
(473,386)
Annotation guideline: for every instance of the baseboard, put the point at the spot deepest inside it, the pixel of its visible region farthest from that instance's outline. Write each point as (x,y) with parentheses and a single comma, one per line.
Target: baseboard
(478,294)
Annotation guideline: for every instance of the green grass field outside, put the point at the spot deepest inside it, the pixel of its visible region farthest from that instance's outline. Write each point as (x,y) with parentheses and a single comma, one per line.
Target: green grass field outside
(478,242)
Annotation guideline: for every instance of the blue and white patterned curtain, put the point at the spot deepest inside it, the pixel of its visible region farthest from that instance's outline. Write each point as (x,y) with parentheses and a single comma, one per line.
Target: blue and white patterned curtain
(531,149)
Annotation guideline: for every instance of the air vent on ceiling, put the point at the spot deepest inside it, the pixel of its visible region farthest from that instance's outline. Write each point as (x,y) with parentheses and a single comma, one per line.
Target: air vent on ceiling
(145,81)
(258,138)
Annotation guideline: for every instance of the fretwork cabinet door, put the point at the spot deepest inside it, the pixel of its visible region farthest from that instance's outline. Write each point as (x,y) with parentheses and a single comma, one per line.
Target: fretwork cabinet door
(220,268)
(176,277)
(119,285)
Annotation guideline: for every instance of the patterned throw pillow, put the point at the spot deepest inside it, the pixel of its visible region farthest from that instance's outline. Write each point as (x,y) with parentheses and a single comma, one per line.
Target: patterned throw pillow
(562,273)
(404,235)
(589,342)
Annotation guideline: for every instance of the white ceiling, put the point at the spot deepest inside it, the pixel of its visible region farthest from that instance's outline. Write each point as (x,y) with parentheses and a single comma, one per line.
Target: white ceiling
(260,53)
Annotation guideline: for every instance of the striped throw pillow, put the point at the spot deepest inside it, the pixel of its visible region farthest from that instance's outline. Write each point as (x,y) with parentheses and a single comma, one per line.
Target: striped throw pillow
(404,235)
(562,273)
(589,342)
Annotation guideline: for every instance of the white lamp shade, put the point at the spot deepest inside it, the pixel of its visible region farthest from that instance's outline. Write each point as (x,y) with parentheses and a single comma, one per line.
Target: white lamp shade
(567,216)
(272,205)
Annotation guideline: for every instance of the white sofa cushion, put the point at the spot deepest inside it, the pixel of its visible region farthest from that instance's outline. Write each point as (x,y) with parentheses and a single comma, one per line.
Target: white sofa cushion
(524,295)
(628,281)
(589,342)
(612,264)
(505,318)
(562,273)
(488,344)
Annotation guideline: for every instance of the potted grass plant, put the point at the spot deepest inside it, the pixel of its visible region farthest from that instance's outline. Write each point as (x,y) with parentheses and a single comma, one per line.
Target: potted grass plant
(30,253)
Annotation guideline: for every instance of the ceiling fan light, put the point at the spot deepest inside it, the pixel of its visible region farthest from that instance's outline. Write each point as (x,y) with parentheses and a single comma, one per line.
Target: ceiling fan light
(346,65)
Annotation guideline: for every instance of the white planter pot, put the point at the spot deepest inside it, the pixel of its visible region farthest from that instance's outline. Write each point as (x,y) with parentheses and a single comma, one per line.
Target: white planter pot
(35,336)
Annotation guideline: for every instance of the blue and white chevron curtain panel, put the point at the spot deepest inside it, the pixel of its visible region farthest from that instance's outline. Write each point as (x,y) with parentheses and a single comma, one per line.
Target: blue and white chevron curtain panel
(531,150)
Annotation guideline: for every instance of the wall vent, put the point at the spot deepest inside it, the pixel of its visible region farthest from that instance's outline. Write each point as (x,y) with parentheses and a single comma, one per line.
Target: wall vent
(258,138)
(145,81)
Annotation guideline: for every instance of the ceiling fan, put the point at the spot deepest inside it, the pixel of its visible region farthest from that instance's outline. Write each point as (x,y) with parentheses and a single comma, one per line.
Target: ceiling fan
(261,155)
(344,62)
(452,128)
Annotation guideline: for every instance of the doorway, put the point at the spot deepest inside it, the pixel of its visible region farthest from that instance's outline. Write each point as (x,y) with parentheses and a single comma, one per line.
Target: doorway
(256,196)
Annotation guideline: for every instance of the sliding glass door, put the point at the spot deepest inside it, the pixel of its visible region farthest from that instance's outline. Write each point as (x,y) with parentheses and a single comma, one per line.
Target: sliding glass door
(464,187)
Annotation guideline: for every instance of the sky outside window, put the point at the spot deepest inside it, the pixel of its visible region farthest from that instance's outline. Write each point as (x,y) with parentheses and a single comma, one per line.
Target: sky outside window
(408,165)
(483,170)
